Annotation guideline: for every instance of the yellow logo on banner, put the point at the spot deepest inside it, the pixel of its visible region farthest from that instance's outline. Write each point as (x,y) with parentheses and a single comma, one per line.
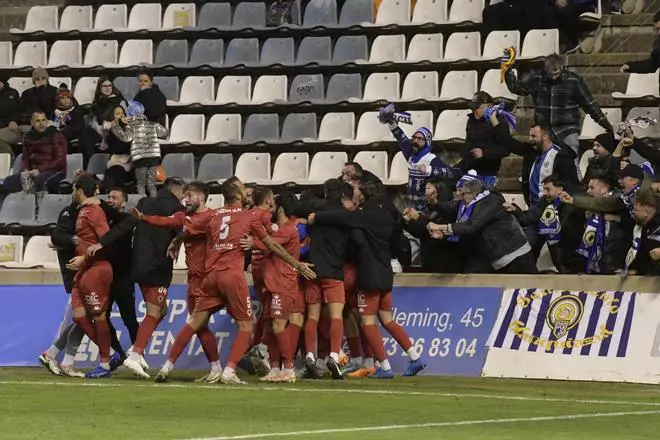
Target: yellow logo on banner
(563,314)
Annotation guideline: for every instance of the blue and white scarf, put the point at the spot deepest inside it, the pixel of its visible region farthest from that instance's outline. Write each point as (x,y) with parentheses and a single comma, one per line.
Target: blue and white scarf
(629,200)
(549,223)
(465,212)
(593,240)
(632,252)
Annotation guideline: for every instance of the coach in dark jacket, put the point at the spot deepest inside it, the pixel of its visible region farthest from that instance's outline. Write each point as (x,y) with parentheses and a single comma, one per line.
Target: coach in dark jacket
(64,239)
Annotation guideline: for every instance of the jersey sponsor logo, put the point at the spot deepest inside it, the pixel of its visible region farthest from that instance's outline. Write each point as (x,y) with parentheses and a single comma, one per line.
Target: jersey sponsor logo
(276,305)
(93,300)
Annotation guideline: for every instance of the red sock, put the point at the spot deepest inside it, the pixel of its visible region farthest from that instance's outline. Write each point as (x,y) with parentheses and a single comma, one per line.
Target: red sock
(336,334)
(239,347)
(399,334)
(86,324)
(354,347)
(209,344)
(180,342)
(274,352)
(293,331)
(147,327)
(311,331)
(373,336)
(259,330)
(103,337)
(284,342)
(367,351)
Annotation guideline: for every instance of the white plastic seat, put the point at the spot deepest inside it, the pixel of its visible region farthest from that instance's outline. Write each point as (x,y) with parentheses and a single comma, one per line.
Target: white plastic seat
(55,81)
(196,90)
(11,249)
(640,85)
(76,18)
(290,167)
(420,118)
(38,254)
(236,89)
(30,53)
(466,11)
(393,12)
(398,170)
(178,15)
(459,85)
(40,18)
(325,165)
(369,130)
(20,84)
(187,129)
(101,52)
(420,85)
(65,53)
(145,16)
(430,11)
(111,17)
(451,125)
(388,48)
(224,128)
(6,53)
(518,199)
(539,43)
(215,201)
(136,52)
(591,129)
(253,167)
(463,46)
(180,263)
(497,41)
(380,86)
(5,165)
(374,161)
(336,126)
(270,88)
(85,89)
(653,131)
(491,84)
(425,47)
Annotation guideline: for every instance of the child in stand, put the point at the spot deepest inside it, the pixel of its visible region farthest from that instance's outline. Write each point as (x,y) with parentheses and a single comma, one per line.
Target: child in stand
(145,148)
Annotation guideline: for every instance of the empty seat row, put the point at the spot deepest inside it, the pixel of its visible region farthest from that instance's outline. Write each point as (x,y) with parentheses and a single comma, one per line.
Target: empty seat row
(347,49)
(640,86)
(590,129)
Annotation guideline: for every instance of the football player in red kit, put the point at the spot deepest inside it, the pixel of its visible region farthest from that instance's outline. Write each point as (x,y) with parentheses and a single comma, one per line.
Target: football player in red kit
(195,195)
(224,284)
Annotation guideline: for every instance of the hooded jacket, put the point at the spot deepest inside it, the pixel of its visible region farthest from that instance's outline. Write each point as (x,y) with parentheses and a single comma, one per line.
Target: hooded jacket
(154,102)
(143,136)
(10,104)
(44,151)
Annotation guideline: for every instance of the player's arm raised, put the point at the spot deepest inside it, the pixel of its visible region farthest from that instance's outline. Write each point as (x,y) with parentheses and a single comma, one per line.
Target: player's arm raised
(175,221)
(305,269)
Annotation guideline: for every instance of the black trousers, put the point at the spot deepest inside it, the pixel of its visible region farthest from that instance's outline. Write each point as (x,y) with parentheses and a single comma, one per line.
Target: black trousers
(523,264)
(122,292)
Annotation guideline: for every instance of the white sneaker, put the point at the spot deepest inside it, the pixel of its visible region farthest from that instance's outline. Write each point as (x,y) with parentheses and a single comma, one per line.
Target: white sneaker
(68,370)
(50,364)
(270,377)
(143,363)
(287,376)
(213,377)
(135,366)
(203,378)
(231,379)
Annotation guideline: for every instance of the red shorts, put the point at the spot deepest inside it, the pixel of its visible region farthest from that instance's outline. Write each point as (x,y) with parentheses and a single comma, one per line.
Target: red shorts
(350,279)
(229,289)
(369,303)
(156,295)
(194,291)
(325,290)
(91,288)
(282,305)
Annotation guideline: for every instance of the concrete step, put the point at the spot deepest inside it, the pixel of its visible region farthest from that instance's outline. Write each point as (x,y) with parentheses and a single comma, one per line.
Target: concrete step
(626,20)
(628,41)
(579,61)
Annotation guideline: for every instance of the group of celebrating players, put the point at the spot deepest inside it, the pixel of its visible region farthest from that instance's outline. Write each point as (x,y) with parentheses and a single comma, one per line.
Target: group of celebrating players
(320,266)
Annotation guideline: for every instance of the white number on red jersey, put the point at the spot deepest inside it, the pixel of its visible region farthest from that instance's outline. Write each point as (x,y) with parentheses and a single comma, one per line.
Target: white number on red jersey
(224,227)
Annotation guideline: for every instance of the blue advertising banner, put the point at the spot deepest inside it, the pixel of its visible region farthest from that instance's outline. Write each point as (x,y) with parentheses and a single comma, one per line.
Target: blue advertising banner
(448,326)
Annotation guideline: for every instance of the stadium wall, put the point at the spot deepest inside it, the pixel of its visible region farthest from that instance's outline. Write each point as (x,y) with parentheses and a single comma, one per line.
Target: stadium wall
(544,326)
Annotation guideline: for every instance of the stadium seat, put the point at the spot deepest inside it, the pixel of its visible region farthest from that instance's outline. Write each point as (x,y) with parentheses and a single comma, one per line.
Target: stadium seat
(420,118)
(249,15)
(518,199)
(76,18)
(180,15)
(356,12)
(343,87)
(5,165)
(16,166)
(101,52)
(171,53)
(136,53)
(85,89)
(398,170)
(11,249)
(234,89)
(145,16)
(242,51)
(261,128)
(420,85)
(6,53)
(425,47)
(640,85)
(133,200)
(169,85)
(388,48)
(290,167)
(466,11)
(350,48)
(393,12)
(224,128)
(336,126)
(30,53)
(496,42)
(17,208)
(320,13)
(216,166)
(591,129)
(196,90)
(215,201)
(277,51)
(187,129)
(381,86)
(306,88)
(214,15)
(298,126)
(539,43)
(459,85)
(253,167)
(491,84)
(179,164)
(127,85)
(463,46)
(38,253)
(451,125)
(314,50)
(374,161)
(653,131)
(65,53)
(270,88)
(50,208)
(56,81)
(74,162)
(20,84)
(97,164)
(369,129)
(40,18)
(325,165)
(430,11)
(180,263)
(207,52)
(111,17)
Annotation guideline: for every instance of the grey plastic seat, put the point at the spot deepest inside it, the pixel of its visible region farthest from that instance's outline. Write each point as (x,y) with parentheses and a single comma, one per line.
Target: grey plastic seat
(127,85)
(249,14)
(298,126)
(314,50)
(171,52)
(350,48)
(17,208)
(356,12)
(133,200)
(179,165)
(169,85)
(16,166)
(343,86)
(215,166)
(74,162)
(211,52)
(98,163)
(306,88)
(214,15)
(277,51)
(50,208)
(261,127)
(321,13)
(242,51)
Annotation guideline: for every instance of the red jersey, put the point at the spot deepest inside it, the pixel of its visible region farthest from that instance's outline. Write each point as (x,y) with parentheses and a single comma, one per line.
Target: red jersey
(223,231)
(279,277)
(264,216)
(91,225)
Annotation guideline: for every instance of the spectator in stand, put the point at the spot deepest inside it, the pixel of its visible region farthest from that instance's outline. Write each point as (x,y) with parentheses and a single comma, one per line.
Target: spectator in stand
(151,98)
(568,14)
(522,15)
(44,158)
(354,171)
(69,118)
(651,64)
(10,106)
(643,257)
(118,171)
(558,94)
